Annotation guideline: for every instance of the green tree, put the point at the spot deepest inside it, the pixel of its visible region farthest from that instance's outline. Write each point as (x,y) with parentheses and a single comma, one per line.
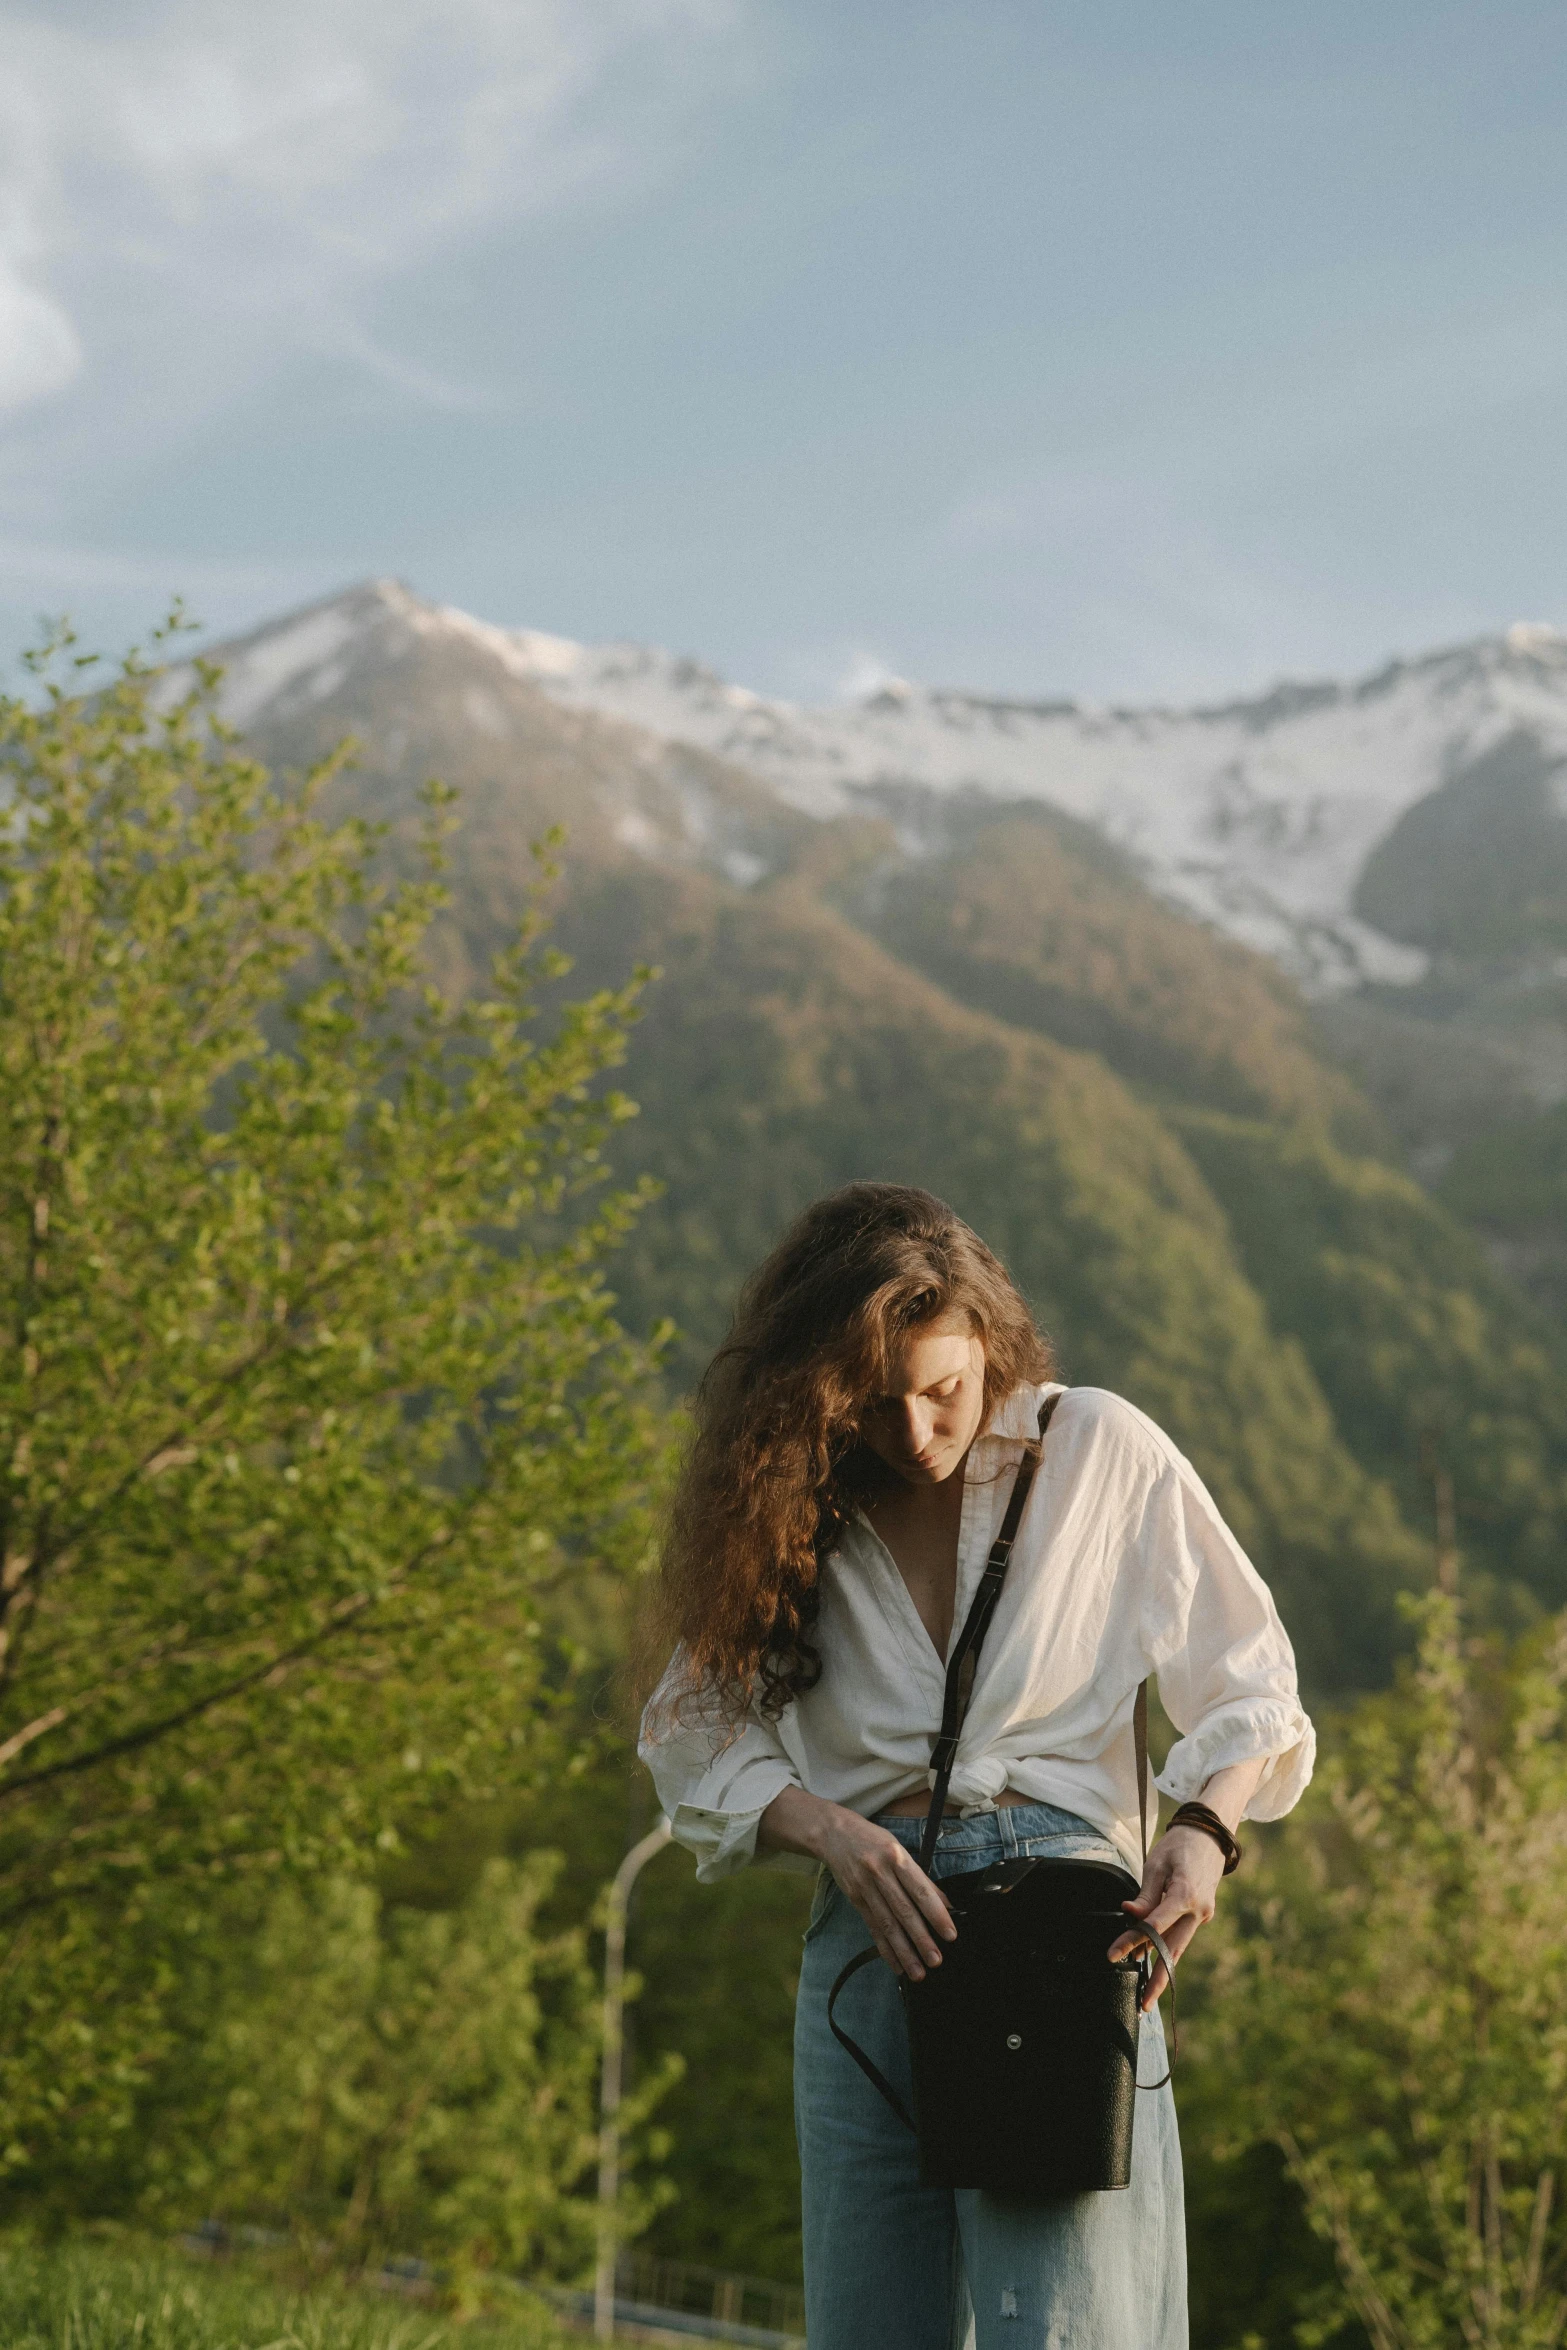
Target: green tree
(395,2081)
(718,1966)
(311,1394)
(1388,2004)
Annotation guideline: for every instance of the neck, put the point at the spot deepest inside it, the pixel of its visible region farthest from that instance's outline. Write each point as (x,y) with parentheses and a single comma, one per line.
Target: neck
(897,1497)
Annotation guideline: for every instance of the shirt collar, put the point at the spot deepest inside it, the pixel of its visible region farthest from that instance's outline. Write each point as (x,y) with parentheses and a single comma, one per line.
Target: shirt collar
(1015,1419)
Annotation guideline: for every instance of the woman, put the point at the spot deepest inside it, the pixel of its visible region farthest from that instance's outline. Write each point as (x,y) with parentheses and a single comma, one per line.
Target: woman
(857,1438)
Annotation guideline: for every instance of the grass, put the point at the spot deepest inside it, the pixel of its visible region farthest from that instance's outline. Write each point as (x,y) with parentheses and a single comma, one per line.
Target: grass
(81,2295)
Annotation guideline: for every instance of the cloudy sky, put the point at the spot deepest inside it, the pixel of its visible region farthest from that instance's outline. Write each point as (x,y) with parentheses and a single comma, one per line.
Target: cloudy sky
(1131,350)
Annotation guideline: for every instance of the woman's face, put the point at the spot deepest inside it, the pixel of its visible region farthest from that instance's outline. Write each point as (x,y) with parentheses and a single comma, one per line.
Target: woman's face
(930,1415)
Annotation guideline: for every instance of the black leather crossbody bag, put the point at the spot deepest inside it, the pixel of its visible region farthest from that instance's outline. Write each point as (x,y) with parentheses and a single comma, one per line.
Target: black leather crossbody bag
(1023,2042)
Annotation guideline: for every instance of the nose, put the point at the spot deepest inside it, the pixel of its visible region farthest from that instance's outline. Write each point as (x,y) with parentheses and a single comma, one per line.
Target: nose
(918,1426)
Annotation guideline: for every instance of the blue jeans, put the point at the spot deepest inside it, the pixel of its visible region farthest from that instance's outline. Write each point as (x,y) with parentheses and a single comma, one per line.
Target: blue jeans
(892,2265)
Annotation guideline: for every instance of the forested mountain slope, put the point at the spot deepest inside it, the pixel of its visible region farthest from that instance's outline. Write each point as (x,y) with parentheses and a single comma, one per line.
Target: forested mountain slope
(987,999)
(784,1053)
(983,994)
(1034,916)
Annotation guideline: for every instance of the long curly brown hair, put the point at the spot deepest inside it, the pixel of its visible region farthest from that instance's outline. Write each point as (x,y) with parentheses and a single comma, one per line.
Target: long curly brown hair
(777,1463)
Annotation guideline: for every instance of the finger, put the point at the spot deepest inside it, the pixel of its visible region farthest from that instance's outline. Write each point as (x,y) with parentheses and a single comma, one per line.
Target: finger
(907,1891)
(898,1930)
(1125,1945)
(1177,1935)
(932,1902)
(1182,1934)
(905,1956)
(1129,1946)
(904,1917)
(1149,1896)
(890,1944)
(1173,1912)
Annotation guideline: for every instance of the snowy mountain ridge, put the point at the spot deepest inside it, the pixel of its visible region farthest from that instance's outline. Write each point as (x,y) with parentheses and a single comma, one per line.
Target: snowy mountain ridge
(1258,815)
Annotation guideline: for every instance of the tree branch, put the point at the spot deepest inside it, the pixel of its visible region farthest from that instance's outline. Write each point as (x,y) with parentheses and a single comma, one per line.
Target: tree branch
(1384,2328)
(31,1730)
(345,1613)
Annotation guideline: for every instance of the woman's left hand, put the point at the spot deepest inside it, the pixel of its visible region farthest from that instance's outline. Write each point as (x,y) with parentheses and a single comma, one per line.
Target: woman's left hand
(1180,1884)
(1181,1875)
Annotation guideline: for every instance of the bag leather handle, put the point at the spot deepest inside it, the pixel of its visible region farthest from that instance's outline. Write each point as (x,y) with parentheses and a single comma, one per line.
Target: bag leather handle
(1140,1745)
(872,2071)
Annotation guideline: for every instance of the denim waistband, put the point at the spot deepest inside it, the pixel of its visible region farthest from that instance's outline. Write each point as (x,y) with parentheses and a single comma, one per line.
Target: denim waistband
(1013,1831)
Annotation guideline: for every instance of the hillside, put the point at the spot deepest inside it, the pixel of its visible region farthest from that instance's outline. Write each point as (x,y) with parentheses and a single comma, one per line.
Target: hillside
(981,991)
(986,998)
(1033,916)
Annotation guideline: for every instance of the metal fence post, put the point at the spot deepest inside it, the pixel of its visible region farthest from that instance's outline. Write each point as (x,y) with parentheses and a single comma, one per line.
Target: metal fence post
(610,2080)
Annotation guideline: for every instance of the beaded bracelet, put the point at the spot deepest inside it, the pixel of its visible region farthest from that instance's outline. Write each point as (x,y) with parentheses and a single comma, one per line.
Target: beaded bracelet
(1198,1815)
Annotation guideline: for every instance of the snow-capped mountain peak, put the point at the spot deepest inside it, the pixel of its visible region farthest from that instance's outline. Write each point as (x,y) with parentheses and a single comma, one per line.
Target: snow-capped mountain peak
(1258,815)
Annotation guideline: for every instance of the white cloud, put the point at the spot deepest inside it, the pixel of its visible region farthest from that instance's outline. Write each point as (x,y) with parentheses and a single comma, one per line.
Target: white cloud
(40,350)
(192,191)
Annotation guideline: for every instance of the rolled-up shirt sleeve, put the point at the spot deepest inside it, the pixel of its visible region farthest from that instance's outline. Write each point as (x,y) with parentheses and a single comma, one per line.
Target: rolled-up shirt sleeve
(714,1779)
(1225,1666)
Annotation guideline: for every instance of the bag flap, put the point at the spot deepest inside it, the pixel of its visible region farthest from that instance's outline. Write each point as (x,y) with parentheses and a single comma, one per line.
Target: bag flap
(1077,1884)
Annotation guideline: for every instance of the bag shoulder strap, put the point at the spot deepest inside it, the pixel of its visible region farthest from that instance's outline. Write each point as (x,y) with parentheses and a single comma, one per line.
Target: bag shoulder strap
(1140,1744)
(965,1656)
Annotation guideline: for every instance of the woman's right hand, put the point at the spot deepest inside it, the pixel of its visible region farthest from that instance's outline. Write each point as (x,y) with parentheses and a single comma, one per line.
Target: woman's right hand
(905,1911)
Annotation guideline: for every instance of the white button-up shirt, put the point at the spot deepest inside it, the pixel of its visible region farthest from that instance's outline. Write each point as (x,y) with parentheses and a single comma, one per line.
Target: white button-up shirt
(1122,1568)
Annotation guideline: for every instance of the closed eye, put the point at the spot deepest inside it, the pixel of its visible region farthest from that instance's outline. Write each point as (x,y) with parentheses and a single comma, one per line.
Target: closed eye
(939,1393)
